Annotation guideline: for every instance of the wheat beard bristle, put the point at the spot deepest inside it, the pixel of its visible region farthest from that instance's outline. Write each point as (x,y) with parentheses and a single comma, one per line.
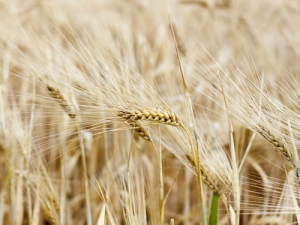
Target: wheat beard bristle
(55,94)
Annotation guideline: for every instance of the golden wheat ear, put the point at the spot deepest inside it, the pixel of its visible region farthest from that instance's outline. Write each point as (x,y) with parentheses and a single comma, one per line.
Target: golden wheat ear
(279,144)
(156,116)
(207,177)
(57,96)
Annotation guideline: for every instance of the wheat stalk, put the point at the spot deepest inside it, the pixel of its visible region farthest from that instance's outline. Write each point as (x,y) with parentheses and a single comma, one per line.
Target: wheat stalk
(56,95)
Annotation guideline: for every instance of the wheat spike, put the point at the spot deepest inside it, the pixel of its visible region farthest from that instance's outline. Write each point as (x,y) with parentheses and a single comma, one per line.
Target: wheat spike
(55,94)
(157,116)
(210,180)
(207,177)
(133,117)
(277,143)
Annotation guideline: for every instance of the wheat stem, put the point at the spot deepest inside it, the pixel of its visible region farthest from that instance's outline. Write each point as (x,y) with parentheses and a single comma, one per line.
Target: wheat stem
(214,209)
(172,222)
(234,163)
(86,184)
(246,152)
(161,185)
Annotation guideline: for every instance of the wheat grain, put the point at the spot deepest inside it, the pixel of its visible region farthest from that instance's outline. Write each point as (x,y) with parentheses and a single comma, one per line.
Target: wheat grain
(55,94)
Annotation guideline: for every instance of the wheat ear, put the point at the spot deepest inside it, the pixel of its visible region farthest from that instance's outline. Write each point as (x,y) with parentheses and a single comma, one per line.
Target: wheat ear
(277,143)
(133,117)
(207,177)
(157,116)
(57,96)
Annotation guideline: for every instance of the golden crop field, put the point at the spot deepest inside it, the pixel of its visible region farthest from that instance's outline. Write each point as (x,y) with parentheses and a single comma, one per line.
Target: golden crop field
(154,112)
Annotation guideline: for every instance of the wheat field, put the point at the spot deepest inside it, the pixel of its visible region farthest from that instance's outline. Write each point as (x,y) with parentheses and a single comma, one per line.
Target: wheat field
(149,112)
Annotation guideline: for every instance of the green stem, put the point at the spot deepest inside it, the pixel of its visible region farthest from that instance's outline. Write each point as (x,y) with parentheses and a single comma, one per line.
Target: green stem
(214,208)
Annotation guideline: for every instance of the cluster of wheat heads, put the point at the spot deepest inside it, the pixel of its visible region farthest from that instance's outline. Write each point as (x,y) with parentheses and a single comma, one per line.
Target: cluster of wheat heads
(97,125)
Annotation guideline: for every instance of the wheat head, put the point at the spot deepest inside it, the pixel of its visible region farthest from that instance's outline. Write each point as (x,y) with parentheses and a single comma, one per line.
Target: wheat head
(207,177)
(157,116)
(56,95)
(276,142)
(133,117)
